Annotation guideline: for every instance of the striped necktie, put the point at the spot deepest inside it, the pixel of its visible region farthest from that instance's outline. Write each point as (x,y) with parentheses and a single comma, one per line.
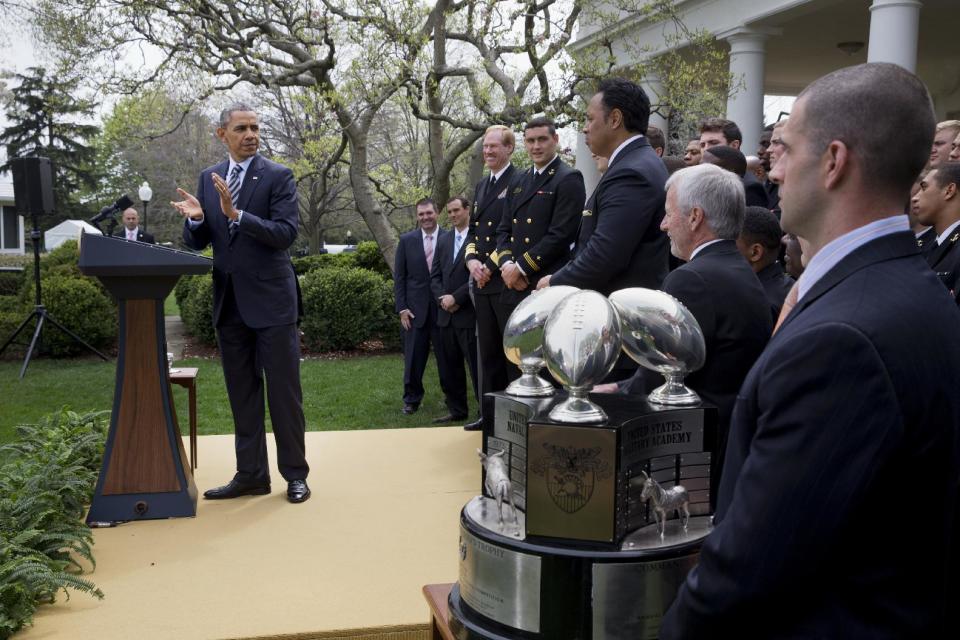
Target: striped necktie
(234,185)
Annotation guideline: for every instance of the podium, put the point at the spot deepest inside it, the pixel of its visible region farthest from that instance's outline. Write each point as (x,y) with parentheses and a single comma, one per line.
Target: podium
(145,472)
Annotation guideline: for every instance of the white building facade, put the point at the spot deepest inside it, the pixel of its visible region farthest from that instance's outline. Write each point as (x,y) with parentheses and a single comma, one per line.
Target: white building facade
(777,47)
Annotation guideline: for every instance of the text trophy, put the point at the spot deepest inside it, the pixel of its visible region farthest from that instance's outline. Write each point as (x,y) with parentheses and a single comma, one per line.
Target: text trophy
(661,334)
(523,340)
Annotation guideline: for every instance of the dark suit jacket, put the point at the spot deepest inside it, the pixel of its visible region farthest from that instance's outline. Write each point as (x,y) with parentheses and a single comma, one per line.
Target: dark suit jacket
(411,278)
(450,276)
(724,295)
(620,243)
(845,431)
(541,223)
(141,236)
(754,191)
(255,258)
(927,241)
(944,259)
(490,203)
(776,285)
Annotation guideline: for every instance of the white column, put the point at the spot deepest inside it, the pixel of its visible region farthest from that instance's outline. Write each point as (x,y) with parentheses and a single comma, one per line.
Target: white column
(653,87)
(894,29)
(586,165)
(747,59)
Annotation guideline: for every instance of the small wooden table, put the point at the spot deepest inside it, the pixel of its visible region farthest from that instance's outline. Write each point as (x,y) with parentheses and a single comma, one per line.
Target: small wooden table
(436,595)
(186,377)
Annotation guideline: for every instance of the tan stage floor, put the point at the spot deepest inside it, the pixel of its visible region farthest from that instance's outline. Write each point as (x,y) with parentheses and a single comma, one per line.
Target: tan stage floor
(382,522)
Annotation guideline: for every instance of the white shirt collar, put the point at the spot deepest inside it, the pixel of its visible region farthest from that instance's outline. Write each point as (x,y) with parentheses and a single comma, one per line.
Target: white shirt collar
(839,248)
(245,165)
(496,176)
(620,148)
(921,232)
(135,231)
(946,234)
(703,246)
(424,234)
(537,171)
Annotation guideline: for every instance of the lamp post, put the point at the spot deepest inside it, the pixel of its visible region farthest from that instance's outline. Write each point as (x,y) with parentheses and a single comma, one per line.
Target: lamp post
(349,237)
(145,193)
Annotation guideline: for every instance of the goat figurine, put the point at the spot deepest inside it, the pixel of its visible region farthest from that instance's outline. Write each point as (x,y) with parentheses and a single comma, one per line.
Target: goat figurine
(675,498)
(497,481)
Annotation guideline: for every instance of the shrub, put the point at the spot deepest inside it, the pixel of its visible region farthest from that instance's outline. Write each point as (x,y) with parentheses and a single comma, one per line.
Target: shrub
(306,264)
(196,309)
(80,306)
(368,256)
(10,282)
(342,308)
(47,481)
(183,288)
(388,326)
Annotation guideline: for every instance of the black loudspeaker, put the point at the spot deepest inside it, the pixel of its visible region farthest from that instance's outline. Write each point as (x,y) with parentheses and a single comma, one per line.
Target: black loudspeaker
(33,185)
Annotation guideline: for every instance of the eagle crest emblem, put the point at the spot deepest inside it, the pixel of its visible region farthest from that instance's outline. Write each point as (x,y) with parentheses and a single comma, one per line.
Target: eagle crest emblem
(571,474)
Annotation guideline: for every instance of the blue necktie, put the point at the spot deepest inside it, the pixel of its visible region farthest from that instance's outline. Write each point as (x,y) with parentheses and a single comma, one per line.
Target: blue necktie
(234,185)
(456,246)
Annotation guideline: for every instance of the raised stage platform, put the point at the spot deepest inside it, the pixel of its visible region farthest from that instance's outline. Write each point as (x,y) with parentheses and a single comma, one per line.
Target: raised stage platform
(348,563)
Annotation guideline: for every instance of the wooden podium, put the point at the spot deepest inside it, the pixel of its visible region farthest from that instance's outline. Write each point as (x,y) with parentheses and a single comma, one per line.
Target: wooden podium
(145,472)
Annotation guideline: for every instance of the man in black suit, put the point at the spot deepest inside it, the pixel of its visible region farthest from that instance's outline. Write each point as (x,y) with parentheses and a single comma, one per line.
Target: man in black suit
(131,228)
(415,303)
(620,243)
(449,283)
(760,243)
(938,205)
(851,408)
(247,208)
(490,202)
(704,214)
(536,233)
(733,160)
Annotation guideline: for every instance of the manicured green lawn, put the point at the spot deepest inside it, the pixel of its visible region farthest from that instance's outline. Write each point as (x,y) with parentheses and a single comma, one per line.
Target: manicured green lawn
(170,307)
(355,393)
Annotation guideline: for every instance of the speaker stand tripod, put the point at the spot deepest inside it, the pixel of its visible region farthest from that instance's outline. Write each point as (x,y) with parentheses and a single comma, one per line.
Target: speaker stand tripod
(40,312)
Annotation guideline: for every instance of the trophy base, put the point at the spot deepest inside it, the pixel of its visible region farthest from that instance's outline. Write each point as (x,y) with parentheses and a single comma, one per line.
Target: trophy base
(674,395)
(542,589)
(576,410)
(530,386)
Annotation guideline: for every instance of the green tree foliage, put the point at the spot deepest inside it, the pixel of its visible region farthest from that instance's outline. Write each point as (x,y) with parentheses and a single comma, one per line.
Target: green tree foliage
(46,115)
(152,136)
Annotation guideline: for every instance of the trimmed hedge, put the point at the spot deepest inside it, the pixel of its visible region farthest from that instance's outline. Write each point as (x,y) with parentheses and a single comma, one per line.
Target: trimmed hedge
(10,282)
(343,308)
(196,307)
(368,256)
(45,484)
(81,306)
(306,264)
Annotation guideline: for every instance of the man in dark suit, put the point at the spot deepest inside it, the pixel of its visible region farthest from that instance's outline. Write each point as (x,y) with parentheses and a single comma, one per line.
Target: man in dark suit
(938,205)
(415,303)
(704,213)
(131,228)
(760,242)
(620,243)
(853,406)
(733,160)
(449,283)
(536,233)
(490,201)
(247,208)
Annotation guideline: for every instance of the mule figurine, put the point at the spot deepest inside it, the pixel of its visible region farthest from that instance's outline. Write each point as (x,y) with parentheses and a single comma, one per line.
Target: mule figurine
(675,498)
(497,482)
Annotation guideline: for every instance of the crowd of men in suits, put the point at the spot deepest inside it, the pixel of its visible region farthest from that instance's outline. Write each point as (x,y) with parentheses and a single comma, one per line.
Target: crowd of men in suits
(827,415)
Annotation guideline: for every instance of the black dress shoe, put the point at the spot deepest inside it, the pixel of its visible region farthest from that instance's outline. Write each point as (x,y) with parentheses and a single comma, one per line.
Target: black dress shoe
(235,489)
(410,409)
(448,418)
(297,491)
(476,425)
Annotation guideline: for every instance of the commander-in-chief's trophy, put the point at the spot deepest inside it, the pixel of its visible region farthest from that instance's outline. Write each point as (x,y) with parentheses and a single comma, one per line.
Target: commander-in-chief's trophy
(584,529)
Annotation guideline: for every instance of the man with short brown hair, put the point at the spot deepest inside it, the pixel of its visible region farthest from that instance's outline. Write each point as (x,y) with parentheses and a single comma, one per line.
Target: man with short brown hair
(946,132)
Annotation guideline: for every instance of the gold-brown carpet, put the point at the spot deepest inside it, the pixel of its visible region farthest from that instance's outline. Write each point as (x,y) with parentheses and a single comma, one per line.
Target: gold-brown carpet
(348,563)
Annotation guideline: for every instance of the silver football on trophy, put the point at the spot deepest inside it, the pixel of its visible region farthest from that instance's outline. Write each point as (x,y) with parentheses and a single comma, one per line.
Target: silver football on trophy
(661,334)
(581,342)
(523,340)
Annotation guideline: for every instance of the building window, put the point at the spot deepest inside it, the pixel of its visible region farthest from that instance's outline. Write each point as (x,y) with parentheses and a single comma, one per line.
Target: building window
(11,231)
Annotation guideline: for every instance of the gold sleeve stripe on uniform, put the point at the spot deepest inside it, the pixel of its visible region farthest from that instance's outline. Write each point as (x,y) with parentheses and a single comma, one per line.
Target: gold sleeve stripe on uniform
(533,265)
(495,257)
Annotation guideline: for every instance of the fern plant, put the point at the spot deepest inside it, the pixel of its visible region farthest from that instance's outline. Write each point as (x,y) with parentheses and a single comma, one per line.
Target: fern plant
(46,480)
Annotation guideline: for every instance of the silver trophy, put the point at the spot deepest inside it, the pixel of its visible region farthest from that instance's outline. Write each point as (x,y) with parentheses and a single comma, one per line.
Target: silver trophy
(581,342)
(661,334)
(523,340)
